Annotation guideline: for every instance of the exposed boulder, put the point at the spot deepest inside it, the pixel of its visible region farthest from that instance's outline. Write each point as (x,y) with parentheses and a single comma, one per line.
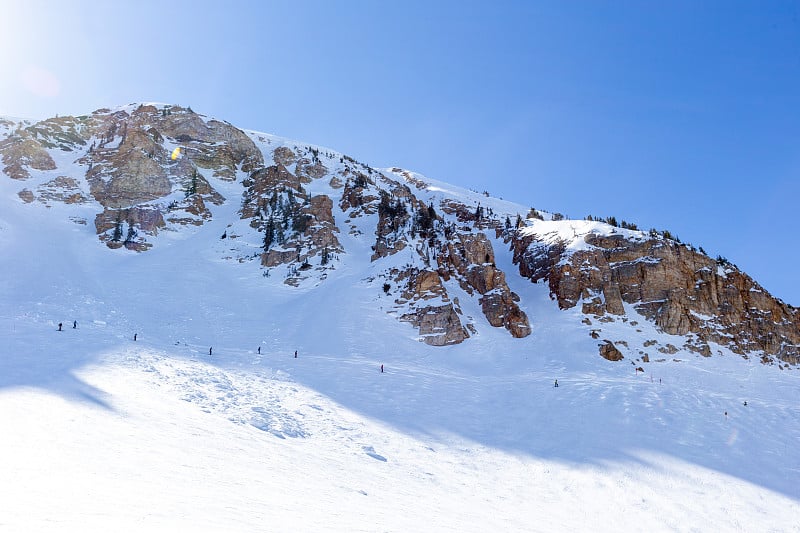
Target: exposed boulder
(26,195)
(610,352)
(438,325)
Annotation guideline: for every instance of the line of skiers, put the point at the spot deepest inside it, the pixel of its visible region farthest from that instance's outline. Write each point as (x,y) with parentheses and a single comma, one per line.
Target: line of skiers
(211,351)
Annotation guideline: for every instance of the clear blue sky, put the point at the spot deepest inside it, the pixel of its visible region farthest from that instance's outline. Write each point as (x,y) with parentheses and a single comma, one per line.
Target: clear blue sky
(675,115)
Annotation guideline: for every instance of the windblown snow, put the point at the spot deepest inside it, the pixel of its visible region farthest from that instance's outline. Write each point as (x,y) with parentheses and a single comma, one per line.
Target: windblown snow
(189,428)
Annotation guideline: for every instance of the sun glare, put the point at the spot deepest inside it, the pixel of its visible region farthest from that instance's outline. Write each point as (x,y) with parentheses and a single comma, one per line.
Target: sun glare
(26,75)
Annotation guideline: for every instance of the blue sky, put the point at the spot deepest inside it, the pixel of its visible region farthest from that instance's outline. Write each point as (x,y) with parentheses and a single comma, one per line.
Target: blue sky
(674,115)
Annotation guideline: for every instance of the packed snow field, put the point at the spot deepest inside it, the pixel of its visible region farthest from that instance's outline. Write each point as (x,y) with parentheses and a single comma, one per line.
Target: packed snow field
(189,427)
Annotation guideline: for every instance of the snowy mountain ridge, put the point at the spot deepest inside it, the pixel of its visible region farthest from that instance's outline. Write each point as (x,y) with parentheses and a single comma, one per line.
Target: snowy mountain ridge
(158,169)
(677,400)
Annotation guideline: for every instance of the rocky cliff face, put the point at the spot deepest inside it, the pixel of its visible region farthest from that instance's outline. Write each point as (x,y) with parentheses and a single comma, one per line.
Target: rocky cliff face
(470,257)
(292,209)
(680,289)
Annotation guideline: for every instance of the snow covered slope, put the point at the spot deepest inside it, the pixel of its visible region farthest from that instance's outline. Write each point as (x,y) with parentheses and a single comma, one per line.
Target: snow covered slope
(189,427)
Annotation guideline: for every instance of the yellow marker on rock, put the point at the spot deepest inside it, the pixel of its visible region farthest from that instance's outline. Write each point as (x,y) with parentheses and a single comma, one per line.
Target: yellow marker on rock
(175,153)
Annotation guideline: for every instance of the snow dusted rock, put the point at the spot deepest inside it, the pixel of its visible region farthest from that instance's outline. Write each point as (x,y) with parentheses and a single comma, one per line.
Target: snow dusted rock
(424,284)
(21,153)
(126,177)
(296,227)
(122,227)
(501,311)
(683,291)
(283,155)
(318,238)
(308,170)
(394,213)
(357,197)
(192,210)
(26,195)
(438,325)
(62,189)
(321,231)
(610,352)
(471,257)
(210,144)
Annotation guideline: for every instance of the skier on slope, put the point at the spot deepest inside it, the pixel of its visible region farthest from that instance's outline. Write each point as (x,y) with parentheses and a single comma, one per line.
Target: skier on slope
(59,326)
(556,384)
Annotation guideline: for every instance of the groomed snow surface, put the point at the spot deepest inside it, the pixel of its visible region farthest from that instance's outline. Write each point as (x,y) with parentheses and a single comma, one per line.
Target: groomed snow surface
(104,433)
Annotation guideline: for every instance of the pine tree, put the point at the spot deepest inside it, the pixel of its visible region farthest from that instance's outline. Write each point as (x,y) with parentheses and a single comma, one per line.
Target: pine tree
(117,228)
(131,233)
(192,189)
(269,234)
(300,222)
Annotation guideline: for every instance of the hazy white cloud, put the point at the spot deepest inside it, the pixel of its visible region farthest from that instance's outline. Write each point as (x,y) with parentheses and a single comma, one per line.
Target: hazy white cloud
(41,82)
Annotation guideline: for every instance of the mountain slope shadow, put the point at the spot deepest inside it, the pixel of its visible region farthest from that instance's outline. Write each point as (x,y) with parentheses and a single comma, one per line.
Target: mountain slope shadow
(38,355)
(487,392)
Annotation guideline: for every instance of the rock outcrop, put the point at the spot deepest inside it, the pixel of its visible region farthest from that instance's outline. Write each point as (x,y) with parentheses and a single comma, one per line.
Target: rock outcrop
(296,228)
(122,227)
(120,164)
(610,352)
(471,257)
(19,154)
(62,189)
(682,290)
(438,323)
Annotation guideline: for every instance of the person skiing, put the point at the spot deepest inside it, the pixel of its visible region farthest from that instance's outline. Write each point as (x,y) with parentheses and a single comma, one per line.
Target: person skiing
(381,369)
(134,336)
(295,354)
(59,326)
(259,350)
(556,385)
(74,324)
(745,403)
(209,350)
